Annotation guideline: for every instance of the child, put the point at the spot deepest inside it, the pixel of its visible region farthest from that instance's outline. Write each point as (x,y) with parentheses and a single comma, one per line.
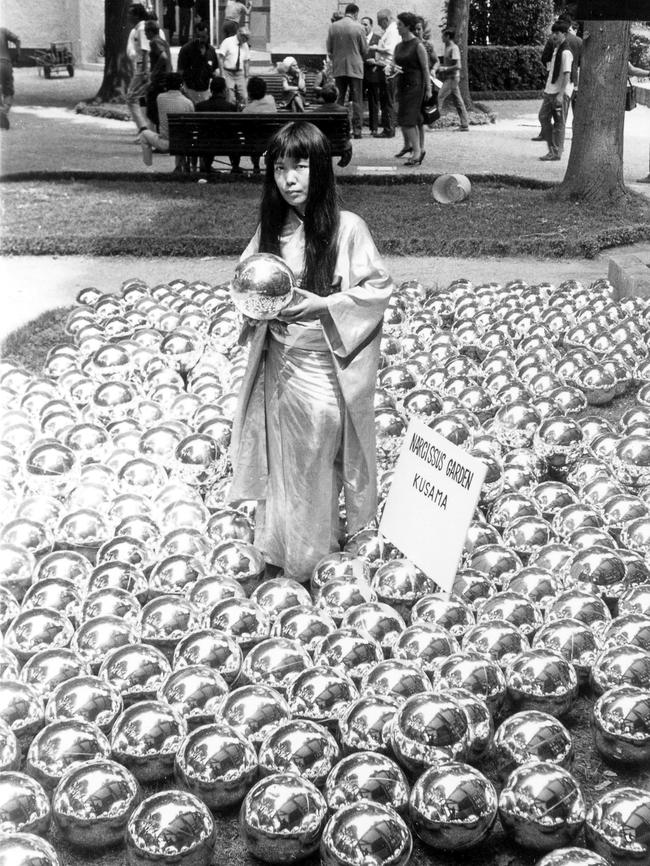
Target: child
(304,426)
(293,84)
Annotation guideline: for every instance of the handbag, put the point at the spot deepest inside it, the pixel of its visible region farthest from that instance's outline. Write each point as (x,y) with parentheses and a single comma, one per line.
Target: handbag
(630,96)
(430,108)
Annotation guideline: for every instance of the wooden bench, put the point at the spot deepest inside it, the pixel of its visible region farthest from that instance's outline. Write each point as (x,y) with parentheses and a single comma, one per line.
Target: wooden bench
(206,133)
(274,87)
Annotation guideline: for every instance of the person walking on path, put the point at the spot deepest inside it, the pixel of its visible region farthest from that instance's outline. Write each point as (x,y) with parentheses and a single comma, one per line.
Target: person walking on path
(304,425)
(371,76)
(557,94)
(137,52)
(198,63)
(347,48)
(574,43)
(413,87)
(7,74)
(234,60)
(449,72)
(170,102)
(383,53)
(160,65)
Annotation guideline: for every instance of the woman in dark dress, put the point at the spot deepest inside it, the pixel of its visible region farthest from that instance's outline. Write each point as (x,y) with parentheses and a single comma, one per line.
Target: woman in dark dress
(413,87)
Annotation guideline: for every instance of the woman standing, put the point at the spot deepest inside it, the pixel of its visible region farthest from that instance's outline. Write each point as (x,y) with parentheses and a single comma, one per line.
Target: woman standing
(413,87)
(304,428)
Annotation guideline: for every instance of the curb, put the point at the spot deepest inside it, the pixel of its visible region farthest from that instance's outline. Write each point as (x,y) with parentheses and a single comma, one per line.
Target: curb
(630,274)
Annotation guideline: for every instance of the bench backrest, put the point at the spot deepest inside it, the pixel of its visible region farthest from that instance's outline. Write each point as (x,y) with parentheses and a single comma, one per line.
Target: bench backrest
(205,133)
(274,86)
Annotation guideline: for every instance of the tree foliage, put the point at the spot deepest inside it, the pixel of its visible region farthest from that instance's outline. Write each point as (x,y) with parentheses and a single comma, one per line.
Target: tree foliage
(509,22)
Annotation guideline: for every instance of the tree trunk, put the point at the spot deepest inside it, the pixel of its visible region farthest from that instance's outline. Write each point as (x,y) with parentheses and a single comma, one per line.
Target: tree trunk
(595,169)
(458,20)
(117,69)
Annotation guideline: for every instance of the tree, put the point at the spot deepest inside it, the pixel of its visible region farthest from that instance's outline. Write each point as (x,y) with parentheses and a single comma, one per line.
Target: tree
(458,20)
(595,169)
(117,69)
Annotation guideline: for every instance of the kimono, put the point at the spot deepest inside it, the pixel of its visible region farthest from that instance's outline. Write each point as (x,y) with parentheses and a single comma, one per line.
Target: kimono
(304,426)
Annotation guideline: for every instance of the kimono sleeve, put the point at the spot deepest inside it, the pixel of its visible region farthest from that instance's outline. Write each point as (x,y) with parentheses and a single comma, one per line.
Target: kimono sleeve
(355,313)
(253,246)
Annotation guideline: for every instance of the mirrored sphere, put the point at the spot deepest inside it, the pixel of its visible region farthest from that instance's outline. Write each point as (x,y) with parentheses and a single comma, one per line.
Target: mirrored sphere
(621,725)
(429,730)
(531,736)
(365,724)
(366,832)
(62,744)
(88,698)
(27,849)
(367,775)
(24,804)
(195,692)
(282,818)
(452,807)
(210,647)
(617,827)
(146,737)
(254,711)
(540,679)
(572,857)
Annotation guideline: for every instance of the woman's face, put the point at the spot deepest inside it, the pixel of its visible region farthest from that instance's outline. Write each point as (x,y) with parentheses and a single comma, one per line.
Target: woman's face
(292,179)
(401,28)
(419,30)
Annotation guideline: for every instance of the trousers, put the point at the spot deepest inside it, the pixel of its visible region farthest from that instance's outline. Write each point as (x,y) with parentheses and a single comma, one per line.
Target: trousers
(344,84)
(552,118)
(451,90)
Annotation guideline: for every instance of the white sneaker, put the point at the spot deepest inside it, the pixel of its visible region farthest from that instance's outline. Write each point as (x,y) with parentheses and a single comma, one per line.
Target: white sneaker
(147,155)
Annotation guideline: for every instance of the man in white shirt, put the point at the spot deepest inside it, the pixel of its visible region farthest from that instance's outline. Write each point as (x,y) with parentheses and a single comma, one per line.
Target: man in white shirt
(383,53)
(171,101)
(234,59)
(450,74)
(557,94)
(137,52)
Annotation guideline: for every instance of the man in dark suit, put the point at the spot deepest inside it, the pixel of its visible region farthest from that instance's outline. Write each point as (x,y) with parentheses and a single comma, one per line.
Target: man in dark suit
(371,77)
(347,48)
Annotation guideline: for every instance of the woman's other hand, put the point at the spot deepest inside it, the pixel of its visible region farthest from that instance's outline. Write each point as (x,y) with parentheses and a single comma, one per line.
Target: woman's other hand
(304,306)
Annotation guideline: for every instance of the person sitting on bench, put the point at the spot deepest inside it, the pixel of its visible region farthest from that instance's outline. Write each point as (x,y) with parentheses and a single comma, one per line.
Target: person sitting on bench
(329,95)
(218,102)
(259,102)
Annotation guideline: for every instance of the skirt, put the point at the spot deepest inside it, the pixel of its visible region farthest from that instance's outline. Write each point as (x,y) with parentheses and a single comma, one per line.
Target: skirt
(298,523)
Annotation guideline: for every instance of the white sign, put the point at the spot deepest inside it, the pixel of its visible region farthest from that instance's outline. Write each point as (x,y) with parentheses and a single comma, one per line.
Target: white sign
(431,502)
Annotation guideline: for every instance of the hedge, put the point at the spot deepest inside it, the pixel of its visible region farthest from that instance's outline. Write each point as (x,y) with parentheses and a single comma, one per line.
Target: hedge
(509,22)
(503,67)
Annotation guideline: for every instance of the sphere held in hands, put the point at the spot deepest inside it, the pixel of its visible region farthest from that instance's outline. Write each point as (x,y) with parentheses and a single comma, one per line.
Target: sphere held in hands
(262,286)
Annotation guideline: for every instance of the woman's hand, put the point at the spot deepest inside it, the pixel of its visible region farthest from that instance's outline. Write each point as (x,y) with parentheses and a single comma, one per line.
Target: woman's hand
(304,306)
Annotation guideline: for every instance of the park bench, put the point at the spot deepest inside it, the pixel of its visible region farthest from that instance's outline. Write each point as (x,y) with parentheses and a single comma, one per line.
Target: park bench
(274,87)
(206,133)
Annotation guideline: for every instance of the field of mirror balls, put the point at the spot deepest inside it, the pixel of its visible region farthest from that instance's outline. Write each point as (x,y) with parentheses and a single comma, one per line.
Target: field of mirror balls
(161,700)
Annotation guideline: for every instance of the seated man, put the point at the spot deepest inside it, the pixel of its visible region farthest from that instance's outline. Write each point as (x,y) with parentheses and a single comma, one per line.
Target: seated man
(329,95)
(218,102)
(170,102)
(259,102)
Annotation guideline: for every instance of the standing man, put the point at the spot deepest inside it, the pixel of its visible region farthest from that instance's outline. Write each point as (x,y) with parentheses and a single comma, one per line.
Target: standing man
(184,20)
(450,74)
(7,74)
(557,94)
(238,12)
(371,76)
(160,65)
(347,48)
(574,44)
(383,54)
(198,63)
(137,52)
(234,60)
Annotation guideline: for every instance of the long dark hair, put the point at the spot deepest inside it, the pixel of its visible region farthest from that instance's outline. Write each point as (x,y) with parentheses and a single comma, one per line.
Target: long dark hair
(303,140)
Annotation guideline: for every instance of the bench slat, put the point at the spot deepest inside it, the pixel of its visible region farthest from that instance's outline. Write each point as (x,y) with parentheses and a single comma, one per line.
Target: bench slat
(205,133)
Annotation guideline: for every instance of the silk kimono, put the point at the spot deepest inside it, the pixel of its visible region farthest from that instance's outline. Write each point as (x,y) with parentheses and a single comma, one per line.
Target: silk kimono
(304,425)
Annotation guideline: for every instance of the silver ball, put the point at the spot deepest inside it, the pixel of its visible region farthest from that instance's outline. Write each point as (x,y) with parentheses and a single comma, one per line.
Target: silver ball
(146,738)
(475,672)
(10,752)
(572,857)
(62,744)
(305,624)
(168,618)
(573,640)
(321,694)
(401,584)
(499,640)
(541,806)
(280,593)
(135,670)
(620,666)
(366,832)
(424,643)
(24,805)
(453,615)
(479,717)
(621,725)
(429,730)
(254,711)
(382,622)
(367,775)
(299,746)
(339,564)
(170,827)
(87,698)
(348,650)
(338,594)
(282,818)
(21,707)
(364,726)
(210,647)
(27,849)
(396,677)
(513,608)
(195,692)
(580,605)
(531,736)
(452,807)
(245,620)
(97,821)
(618,827)
(216,764)
(540,679)
(95,638)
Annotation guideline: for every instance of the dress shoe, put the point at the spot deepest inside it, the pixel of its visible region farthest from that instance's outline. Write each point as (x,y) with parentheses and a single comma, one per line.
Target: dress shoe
(538,138)
(403,152)
(384,134)
(357,135)
(345,158)
(549,157)
(462,129)
(418,161)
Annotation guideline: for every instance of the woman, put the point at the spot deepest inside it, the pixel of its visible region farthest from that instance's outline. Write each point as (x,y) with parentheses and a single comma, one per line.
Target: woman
(293,84)
(304,426)
(413,87)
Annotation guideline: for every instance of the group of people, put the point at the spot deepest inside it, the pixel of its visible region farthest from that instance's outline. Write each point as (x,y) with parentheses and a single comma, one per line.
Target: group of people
(187,14)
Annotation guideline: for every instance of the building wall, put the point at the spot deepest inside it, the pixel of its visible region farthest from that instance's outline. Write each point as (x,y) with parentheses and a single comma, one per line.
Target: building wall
(301,27)
(39,22)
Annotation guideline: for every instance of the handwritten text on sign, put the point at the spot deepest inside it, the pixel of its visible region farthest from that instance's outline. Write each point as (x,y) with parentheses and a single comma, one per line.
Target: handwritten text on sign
(431,502)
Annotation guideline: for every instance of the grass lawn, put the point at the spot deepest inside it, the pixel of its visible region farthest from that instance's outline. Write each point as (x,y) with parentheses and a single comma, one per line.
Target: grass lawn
(161,217)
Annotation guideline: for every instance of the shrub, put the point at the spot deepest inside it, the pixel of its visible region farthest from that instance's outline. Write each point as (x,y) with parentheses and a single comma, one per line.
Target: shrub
(509,22)
(500,67)
(640,49)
